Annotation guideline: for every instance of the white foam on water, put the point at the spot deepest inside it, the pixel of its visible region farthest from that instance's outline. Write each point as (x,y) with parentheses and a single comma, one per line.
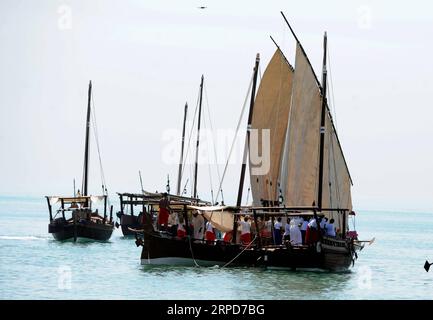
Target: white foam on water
(24,238)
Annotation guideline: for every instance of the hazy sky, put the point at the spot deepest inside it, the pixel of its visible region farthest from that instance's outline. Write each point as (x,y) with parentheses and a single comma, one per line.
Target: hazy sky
(145,59)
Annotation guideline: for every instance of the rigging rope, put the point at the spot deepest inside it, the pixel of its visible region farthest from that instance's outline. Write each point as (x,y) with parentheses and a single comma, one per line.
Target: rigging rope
(337,189)
(189,139)
(213,135)
(234,138)
(329,173)
(192,253)
(212,131)
(331,90)
(95,132)
(208,162)
(237,256)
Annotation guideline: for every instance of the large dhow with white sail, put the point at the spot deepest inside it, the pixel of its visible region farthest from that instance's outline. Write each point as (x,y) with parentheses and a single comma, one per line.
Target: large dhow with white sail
(302,188)
(75,217)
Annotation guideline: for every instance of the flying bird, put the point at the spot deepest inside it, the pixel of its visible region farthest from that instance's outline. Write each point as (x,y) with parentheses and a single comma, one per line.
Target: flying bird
(201,7)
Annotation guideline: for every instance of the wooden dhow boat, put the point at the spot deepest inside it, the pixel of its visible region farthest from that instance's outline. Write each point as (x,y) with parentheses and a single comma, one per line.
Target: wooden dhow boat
(140,210)
(83,221)
(308,177)
(336,254)
(131,218)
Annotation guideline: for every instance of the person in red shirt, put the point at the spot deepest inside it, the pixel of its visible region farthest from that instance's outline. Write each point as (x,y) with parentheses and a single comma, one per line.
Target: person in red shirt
(210,233)
(228,237)
(163,214)
(245,231)
(312,234)
(181,232)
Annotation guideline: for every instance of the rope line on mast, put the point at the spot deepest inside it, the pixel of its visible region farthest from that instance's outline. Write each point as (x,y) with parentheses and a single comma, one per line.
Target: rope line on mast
(337,188)
(212,132)
(234,138)
(95,132)
(262,102)
(331,90)
(189,141)
(208,164)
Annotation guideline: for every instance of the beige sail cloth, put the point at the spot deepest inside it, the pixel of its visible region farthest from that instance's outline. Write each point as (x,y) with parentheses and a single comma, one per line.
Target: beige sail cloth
(271,111)
(300,164)
(336,178)
(221,218)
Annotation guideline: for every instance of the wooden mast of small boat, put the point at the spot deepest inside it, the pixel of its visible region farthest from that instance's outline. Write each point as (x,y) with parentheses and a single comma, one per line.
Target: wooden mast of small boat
(322,126)
(86,150)
(198,138)
(247,145)
(179,174)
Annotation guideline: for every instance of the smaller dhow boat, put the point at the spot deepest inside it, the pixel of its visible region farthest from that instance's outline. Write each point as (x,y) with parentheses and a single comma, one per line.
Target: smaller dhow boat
(77,217)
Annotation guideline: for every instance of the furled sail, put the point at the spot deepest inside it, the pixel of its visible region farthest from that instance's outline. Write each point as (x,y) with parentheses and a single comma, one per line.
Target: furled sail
(299,174)
(271,111)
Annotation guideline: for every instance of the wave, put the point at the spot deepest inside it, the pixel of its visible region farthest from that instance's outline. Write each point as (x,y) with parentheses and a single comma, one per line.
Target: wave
(24,238)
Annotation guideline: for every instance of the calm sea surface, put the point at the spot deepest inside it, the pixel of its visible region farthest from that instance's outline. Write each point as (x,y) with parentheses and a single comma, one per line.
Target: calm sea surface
(34,266)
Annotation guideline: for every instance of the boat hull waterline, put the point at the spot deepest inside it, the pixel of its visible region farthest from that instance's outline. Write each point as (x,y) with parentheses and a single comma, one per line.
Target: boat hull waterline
(334,255)
(94,231)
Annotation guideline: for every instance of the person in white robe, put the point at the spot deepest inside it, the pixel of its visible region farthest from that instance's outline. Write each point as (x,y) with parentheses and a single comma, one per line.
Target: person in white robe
(198,225)
(295,234)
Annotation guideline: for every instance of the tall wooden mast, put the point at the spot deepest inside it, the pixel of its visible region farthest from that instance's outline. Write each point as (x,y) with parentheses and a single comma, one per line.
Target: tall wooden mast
(247,140)
(322,126)
(247,146)
(179,174)
(86,150)
(198,137)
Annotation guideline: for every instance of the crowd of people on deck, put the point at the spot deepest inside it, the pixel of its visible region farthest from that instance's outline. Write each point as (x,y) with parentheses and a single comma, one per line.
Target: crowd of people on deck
(299,230)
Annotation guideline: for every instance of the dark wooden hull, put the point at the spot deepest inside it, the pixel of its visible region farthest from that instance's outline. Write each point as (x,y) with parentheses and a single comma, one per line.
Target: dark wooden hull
(129,221)
(87,230)
(163,249)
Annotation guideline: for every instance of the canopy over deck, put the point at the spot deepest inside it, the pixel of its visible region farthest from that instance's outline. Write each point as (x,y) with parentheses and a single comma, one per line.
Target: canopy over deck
(67,200)
(152,198)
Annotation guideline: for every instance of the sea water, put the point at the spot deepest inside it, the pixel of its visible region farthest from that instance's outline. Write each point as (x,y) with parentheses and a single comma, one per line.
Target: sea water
(35,266)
